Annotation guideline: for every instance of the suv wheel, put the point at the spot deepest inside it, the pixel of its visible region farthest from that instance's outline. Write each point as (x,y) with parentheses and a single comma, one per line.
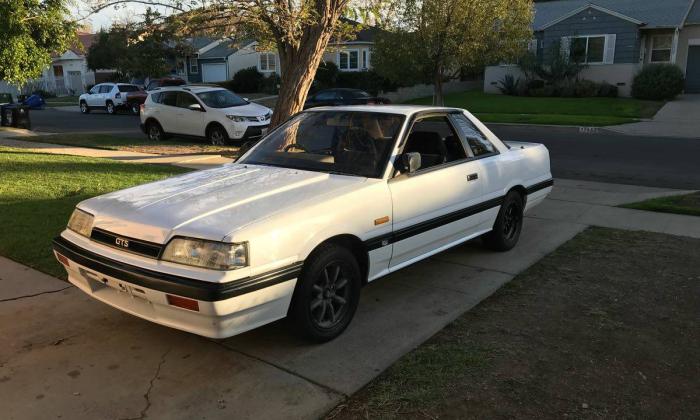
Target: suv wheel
(135,108)
(154,131)
(217,136)
(326,294)
(84,108)
(110,108)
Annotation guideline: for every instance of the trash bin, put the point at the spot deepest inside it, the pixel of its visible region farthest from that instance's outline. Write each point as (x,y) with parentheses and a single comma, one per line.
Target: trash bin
(15,115)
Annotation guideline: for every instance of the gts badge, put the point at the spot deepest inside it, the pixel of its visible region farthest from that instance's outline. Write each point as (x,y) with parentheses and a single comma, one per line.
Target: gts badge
(121,242)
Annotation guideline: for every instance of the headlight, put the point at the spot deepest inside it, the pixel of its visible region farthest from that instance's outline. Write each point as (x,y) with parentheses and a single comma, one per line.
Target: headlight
(207,254)
(236,118)
(81,222)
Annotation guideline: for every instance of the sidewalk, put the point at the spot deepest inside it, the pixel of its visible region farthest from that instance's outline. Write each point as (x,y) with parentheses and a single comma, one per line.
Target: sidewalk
(678,118)
(193,161)
(96,362)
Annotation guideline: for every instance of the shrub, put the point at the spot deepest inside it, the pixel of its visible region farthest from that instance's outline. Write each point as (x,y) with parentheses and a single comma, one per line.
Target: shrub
(326,76)
(658,82)
(369,81)
(585,88)
(509,85)
(270,84)
(607,90)
(246,80)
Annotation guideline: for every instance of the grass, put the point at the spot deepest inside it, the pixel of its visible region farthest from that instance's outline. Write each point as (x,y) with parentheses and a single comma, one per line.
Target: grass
(606,326)
(678,204)
(171,146)
(39,191)
(557,111)
(63,100)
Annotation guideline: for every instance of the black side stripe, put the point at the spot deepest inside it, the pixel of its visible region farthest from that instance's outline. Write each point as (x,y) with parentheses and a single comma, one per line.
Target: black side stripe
(407,232)
(176,285)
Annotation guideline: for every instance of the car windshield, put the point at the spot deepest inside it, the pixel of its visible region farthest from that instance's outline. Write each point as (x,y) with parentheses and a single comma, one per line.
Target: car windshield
(221,99)
(128,88)
(345,142)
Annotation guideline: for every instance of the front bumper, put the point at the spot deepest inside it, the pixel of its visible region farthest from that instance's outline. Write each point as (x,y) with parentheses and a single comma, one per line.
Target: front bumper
(224,309)
(243,132)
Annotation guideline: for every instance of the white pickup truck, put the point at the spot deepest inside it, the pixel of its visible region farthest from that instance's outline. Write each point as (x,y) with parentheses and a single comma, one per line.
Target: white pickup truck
(330,200)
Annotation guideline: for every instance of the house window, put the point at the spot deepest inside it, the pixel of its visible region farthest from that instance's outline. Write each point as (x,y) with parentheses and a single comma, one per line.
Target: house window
(349,60)
(180,66)
(268,62)
(587,49)
(194,65)
(58,71)
(661,48)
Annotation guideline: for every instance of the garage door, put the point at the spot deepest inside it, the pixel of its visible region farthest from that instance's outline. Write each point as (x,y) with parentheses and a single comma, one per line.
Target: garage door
(692,70)
(213,72)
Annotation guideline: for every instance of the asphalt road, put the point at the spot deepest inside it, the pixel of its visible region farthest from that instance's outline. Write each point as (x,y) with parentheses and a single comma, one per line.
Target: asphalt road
(597,155)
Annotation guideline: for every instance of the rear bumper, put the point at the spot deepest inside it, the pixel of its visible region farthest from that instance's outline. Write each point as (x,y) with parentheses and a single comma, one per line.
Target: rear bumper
(224,309)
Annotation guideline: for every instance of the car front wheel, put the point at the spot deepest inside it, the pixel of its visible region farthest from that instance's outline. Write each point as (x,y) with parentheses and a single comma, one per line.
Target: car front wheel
(217,136)
(326,294)
(509,223)
(84,108)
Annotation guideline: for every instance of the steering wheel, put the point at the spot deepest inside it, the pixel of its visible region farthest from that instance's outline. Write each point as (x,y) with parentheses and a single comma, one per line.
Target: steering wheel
(295,146)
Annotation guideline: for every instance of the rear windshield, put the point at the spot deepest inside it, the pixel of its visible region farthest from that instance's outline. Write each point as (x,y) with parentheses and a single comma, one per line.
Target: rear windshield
(128,88)
(221,99)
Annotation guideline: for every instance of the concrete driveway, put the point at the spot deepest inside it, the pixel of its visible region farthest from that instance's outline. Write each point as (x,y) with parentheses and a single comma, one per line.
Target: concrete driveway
(678,118)
(68,356)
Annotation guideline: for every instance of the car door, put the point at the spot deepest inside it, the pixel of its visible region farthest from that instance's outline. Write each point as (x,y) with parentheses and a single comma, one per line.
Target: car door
(105,90)
(438,205)
(187,121)
(166,111)
(92,95)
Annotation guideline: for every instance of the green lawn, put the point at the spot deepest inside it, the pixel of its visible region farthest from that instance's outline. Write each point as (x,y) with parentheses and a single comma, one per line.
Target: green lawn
(559,111)
(39,191)
(679,204)
(63,100)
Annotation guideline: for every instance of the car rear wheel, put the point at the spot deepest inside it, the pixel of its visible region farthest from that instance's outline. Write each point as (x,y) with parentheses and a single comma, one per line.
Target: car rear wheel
(154,131)
(110,108)
(509,223)
(326,294)
(84,108)
(135,108)
(217,136)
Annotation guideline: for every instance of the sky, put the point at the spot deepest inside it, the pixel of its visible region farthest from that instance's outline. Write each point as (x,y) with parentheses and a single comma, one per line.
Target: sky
(105,18)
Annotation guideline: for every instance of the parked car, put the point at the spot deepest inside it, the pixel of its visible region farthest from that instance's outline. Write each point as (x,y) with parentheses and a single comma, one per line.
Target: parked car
(330,200)
(108,96)
(341,96)
(135,99)
(203,111)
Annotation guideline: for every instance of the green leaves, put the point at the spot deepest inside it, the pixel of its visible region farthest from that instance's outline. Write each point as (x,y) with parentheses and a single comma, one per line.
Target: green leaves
(32,30)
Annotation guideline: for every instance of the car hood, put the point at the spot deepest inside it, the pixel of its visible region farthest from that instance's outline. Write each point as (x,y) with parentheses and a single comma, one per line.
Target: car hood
(212,203)
(250,110)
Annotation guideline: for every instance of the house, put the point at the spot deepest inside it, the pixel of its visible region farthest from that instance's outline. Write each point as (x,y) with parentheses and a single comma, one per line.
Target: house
(216,60)
(615,38)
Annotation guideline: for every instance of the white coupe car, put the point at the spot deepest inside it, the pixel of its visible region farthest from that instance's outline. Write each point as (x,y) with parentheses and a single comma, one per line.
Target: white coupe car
(332,199)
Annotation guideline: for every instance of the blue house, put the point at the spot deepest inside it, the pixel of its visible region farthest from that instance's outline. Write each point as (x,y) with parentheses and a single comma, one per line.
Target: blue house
(615,38)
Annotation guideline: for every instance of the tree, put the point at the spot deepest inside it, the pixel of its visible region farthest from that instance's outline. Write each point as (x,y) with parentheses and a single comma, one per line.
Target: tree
(433,41)
(32,30)
(299,30)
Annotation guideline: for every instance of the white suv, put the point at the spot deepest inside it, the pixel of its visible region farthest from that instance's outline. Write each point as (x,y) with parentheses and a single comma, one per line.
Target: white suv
(214,113)
(107,96)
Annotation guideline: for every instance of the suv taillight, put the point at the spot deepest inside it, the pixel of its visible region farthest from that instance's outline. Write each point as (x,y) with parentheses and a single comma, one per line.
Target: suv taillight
(141,107)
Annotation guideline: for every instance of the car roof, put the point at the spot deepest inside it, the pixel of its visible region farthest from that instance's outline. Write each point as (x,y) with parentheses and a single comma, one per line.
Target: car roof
(191,88)
(407,110)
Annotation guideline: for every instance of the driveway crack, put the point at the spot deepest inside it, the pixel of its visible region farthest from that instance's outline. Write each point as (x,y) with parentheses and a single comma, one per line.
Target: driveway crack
(35,294)
(147,394)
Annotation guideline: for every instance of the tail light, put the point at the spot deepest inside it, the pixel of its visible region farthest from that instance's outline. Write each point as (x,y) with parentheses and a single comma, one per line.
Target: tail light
(141,107)
(118,95)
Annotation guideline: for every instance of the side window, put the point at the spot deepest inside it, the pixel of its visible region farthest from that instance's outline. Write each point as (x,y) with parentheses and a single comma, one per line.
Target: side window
(168,98)
(156,97)
(436,141)
(477,141)
(184,100)
(105,88)
(326,96)
(95,89)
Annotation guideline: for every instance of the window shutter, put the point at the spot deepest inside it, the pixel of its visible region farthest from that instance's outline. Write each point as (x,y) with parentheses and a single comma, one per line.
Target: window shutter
(565,46)
(609,57)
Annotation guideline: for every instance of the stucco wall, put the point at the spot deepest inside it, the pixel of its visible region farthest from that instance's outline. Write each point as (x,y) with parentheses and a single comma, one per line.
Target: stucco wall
(595,22)
(243,59)
(620,75)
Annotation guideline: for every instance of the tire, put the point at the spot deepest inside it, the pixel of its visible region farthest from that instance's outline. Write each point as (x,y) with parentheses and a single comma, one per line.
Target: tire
(154,131)
(327,293)
(135,108)
(509,223)
(111,109)
(84,108)
(217,136)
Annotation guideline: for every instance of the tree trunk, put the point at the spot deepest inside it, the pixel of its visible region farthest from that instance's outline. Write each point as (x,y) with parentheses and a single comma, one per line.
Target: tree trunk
(298,65)
(437,90)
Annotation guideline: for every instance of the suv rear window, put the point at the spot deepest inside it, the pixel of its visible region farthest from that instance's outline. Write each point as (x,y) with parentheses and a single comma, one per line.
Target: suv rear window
(128,88)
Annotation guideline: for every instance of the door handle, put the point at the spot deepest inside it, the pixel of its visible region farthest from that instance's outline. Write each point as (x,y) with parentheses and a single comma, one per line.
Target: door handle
(472,177)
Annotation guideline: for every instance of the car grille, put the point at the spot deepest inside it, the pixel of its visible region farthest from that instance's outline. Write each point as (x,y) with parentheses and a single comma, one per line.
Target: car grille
(135,246)
(257,119)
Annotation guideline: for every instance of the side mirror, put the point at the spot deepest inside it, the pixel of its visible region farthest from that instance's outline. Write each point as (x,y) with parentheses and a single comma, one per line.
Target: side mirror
(195,107)
(410,162)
